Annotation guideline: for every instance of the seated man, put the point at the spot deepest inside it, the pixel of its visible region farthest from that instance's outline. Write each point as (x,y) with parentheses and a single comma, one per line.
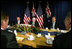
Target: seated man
(47,21)
(64,40)
(18,20)
(8,39)
(54,24)
(34,22)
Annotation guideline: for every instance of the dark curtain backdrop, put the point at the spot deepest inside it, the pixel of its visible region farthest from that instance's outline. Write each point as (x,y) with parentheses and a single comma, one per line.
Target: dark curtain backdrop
(62,8)
(17,8)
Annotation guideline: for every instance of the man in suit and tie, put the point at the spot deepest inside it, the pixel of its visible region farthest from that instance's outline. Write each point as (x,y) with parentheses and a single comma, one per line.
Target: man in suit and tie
(8,39)
(54,23)
(64,40)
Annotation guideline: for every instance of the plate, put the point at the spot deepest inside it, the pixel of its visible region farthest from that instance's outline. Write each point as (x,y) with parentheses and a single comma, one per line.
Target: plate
(64,31)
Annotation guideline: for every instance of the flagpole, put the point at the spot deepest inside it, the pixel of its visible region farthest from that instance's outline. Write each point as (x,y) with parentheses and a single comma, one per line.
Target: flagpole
(39,2)
(33,5)
(27,3)
(47,3)
(27,7)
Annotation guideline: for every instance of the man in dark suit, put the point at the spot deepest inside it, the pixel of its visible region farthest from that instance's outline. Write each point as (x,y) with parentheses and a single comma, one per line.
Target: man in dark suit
(8,39)
(64,40)
(47,21)
(54,24)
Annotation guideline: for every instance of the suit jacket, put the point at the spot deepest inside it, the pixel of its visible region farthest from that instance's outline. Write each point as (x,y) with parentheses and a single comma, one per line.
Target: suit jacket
(36,24)
(62,41)
(47,22)
(3,41)
(56,25)
(8,40)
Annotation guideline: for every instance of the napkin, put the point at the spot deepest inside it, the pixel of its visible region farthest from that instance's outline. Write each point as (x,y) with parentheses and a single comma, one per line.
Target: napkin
(31,37)
(19,38)
(39,35)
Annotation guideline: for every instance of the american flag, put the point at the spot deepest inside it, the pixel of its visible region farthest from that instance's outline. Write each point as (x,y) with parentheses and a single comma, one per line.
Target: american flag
(40,20)
(39,16)
(48,11)
(27,16)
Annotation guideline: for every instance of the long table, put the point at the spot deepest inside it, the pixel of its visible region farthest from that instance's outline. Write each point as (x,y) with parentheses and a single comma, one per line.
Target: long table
(39,41)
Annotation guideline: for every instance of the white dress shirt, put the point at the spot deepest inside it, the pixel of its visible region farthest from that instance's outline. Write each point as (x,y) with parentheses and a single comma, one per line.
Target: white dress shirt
(53,26)
(69,29)
(33,24)
(18,21)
